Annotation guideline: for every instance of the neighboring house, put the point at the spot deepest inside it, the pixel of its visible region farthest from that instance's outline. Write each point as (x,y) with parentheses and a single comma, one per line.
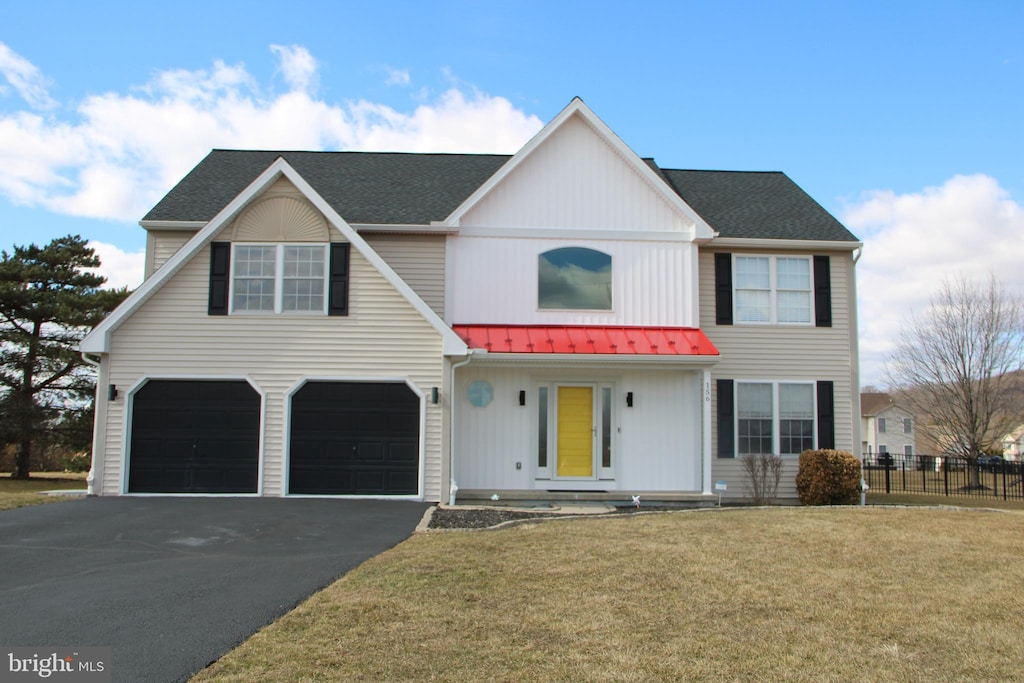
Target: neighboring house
(569,321)
(886,427)
(1013,444)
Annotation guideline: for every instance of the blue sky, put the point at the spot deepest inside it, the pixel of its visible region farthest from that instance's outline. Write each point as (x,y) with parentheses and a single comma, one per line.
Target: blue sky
(904,119)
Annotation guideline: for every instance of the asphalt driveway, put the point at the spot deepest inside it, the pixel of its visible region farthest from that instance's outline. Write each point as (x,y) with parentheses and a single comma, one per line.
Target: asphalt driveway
(172,583)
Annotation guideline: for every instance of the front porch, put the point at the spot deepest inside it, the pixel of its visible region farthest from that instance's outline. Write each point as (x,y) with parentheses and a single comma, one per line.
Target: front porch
(597,429)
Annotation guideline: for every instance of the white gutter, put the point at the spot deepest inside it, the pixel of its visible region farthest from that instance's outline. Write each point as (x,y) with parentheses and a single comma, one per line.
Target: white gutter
(452,486)
(97,412)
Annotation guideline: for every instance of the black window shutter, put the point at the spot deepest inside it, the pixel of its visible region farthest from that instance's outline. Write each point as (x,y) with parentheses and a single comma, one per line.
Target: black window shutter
(337,301)
(826,416)
(723,289)
(822,292)
(726,421)
(220,277)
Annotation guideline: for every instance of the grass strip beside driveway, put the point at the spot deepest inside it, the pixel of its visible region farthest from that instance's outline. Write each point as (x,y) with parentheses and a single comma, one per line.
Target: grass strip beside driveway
(805,594)
(16,493)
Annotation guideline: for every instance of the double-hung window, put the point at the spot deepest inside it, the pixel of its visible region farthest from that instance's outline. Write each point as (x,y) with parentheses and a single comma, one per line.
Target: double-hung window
(773,289)
(279,278)
(774,417)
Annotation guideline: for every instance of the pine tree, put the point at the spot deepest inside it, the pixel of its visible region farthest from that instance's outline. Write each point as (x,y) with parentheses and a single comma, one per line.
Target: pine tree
(49,300)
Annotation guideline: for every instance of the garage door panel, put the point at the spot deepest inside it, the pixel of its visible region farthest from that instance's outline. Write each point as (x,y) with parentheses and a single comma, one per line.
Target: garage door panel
(354,438)
(195,436)
(403,452)
(370,452)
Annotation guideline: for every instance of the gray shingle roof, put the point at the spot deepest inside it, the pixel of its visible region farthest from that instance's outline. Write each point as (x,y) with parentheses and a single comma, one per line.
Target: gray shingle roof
(363,187)
(415,189)
(761,205)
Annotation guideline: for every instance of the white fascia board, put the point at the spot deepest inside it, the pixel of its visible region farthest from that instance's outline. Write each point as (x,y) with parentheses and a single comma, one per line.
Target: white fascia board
(173,225)
(701,230)
(407,229)
(98,340)
(788,245)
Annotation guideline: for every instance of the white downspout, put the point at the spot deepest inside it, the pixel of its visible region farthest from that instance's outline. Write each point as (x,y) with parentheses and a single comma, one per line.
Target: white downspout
(96,413)
(452,486)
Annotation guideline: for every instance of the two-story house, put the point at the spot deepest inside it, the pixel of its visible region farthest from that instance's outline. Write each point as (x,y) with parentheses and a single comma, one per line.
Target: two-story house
(568,321)
(886,427)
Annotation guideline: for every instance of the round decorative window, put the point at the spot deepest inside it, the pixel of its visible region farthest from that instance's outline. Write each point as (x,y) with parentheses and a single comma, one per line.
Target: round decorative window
(480,393)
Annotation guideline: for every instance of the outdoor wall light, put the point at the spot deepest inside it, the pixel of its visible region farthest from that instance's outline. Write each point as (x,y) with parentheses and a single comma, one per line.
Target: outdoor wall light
(629,399)
(522,397)
(433,395)
(111,392)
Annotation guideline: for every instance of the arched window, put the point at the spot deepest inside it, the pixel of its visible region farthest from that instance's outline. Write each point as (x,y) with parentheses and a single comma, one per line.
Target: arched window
(574,278)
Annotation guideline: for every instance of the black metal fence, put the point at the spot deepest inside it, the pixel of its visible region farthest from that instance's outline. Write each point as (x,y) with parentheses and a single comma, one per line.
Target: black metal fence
(990,477)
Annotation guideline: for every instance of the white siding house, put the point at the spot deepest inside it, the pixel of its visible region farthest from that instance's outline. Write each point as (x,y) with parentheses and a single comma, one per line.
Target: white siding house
(571,321)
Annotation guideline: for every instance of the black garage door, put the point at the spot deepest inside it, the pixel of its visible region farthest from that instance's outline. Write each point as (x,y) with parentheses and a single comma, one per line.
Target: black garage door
(195,436)
(354,438)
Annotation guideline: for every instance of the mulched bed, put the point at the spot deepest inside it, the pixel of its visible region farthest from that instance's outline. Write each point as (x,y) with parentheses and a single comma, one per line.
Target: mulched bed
(448,518)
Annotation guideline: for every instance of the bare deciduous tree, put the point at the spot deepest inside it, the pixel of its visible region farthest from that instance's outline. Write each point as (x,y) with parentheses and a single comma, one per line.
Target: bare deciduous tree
(956,362)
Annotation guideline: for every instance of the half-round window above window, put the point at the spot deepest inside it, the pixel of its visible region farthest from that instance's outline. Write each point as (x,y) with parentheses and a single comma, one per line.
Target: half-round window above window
(574,278)
(281,219)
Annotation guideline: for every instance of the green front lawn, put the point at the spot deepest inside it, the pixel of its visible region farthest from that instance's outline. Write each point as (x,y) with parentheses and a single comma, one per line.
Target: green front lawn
(16,493)
(780,594)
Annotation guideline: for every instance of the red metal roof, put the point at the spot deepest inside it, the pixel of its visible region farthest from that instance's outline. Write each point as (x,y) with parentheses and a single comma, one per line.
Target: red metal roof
(641,341)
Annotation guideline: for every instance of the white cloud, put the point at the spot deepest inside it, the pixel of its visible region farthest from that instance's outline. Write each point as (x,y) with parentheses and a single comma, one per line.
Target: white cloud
(298,66)
(25,78)
(969,226)
(397,76)
(123,151)
(121,268)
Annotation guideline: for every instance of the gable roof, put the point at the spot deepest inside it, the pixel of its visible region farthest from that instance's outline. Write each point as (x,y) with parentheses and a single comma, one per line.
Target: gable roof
(98,340)
(872,404)
(389,188)
(577,108)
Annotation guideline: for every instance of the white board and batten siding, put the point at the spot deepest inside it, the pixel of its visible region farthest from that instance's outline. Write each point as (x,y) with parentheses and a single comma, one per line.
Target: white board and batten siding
(786,353)
(172,336)
(575,180)
(494,279)
(656,444)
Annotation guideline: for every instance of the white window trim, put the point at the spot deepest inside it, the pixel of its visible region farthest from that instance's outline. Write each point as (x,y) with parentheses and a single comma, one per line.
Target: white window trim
(279,248)
(773,290)
(776,418)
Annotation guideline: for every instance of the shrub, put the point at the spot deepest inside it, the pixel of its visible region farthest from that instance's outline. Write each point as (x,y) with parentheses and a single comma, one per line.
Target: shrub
(828,477)
(77,462)
(763,472)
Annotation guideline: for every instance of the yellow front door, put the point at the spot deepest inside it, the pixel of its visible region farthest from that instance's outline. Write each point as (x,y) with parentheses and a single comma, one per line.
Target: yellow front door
(575,454)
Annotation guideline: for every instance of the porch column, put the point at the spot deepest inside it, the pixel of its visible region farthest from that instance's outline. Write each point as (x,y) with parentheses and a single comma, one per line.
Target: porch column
(706,433)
